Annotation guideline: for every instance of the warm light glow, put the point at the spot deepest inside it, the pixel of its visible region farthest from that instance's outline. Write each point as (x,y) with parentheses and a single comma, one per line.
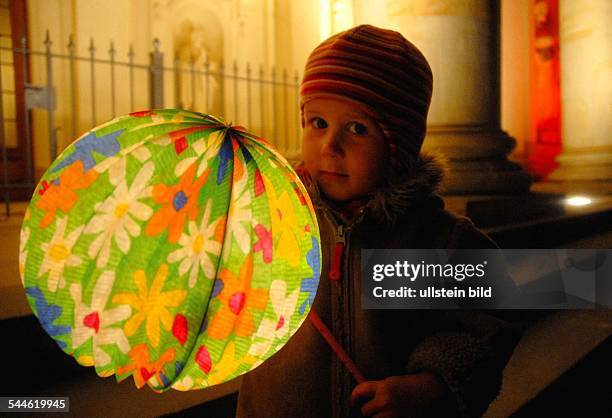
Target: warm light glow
(578,201)
(325,19)
(334,16)
(343,15)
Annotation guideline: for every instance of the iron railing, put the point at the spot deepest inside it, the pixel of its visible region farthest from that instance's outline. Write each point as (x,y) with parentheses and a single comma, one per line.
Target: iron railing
(264,100)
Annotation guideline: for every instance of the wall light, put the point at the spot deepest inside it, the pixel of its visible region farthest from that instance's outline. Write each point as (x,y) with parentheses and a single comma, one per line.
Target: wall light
(578,201)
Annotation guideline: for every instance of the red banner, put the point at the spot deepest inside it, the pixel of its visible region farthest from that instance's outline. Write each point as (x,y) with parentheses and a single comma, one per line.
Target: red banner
(546,87)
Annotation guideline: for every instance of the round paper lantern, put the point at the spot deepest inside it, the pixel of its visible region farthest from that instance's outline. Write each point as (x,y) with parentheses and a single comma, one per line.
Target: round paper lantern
(171,247)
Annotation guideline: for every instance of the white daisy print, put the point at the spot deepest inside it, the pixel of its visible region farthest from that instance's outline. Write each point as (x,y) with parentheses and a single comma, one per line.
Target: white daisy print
(199,248)
(96,322)
(239,214)
(185,384)
(58,254)
(24,237)
(206,149)
(272,329)
(115,165)
(116,216)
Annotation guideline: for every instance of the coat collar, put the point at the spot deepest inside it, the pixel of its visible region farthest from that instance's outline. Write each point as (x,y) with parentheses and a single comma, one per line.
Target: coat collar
(400,194)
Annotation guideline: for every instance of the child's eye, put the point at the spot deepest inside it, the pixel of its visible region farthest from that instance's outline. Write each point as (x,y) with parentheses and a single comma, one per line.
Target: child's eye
(319,123)
(358,128)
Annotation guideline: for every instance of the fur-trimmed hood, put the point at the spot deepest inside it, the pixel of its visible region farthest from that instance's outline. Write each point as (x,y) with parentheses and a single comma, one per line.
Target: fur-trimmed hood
(398,194)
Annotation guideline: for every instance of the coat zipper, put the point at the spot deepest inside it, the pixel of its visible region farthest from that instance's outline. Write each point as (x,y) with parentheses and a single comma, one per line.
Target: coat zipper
(346,307)
(336,263)
(339,270)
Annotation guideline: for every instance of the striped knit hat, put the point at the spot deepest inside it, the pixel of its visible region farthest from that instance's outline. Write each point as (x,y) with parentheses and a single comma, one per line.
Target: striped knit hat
(383,73)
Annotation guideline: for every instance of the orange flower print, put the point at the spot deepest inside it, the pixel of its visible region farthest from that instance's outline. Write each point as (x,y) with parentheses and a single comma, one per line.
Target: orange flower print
(61,195)
(180,203)
(144,368)
(237,301)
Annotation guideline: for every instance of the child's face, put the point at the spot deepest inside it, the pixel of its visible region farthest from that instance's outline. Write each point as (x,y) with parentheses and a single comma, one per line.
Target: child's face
(343,148)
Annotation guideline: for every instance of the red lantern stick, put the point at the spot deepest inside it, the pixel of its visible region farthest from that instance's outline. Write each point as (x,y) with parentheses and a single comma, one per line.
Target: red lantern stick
(335,346)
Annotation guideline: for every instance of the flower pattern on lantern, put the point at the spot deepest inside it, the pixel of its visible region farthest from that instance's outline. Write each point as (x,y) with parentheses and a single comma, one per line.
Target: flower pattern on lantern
(237,301)
(58,253)
(61,193)
(24,237)
(239,214)
(271,329)
(225,366)
(97,322)
(283,224)
(200,247)
(264,242)
(309,284)
(150,304)
(171,247)
(180,203)
(116,217)
(48,313)
(84,149)
(116,166)
(205,150)
(184,384)
(142,367)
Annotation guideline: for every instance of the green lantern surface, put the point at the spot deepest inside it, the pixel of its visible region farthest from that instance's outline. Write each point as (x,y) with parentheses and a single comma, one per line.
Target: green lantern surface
(171,247)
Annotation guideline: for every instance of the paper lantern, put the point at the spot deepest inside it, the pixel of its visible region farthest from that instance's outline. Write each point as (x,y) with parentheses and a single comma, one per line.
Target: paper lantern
(171,247)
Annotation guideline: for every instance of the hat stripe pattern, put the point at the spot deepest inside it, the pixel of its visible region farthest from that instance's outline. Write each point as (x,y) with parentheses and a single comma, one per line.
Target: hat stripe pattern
(380,69)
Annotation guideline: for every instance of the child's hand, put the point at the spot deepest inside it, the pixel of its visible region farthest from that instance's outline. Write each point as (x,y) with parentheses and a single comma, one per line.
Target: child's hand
(414,395)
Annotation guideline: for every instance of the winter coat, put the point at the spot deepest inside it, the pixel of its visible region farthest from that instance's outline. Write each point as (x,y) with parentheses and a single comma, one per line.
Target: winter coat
(467,349)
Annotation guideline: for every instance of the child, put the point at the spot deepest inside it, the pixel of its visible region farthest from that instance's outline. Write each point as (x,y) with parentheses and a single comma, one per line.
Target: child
(364,101)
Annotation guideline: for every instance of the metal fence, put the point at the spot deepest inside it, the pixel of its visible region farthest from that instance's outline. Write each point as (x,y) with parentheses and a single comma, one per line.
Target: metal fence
(265,100)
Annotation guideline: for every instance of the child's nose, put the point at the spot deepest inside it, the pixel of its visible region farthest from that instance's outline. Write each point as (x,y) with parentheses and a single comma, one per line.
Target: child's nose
(332,144)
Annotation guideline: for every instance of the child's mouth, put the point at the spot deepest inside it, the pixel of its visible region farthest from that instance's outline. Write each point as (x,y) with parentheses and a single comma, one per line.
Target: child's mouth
(332,175)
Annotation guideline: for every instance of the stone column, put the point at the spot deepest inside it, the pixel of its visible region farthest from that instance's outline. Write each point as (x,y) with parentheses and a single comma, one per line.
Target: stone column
(461,42)
(586,95)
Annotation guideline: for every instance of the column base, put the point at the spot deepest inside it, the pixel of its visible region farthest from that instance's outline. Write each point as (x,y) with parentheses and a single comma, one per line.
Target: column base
(584,171)
(477,161)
